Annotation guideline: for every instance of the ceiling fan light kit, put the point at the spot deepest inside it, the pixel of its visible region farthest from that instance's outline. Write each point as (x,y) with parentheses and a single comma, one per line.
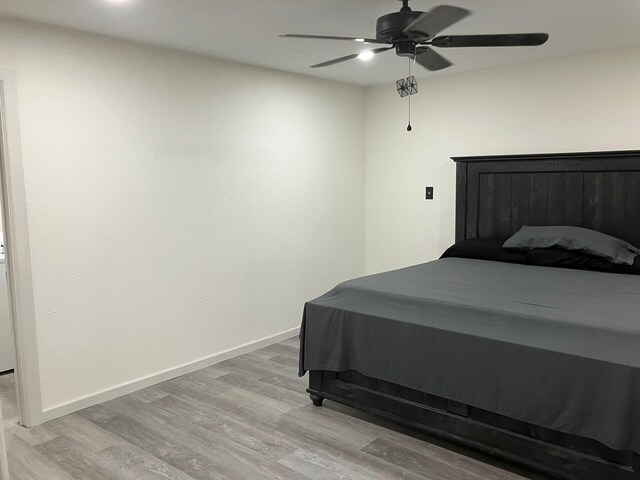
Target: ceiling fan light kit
(366,55)
(412,34)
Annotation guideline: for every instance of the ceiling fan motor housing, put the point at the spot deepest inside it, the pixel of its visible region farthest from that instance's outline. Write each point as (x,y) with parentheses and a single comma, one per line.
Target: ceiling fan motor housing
(389,28)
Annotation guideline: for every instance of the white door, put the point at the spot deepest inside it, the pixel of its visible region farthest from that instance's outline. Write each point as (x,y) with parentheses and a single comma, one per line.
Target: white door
(7,349)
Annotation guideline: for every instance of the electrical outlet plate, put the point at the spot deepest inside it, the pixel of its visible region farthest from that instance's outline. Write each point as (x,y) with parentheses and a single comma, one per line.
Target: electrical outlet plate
(429,193)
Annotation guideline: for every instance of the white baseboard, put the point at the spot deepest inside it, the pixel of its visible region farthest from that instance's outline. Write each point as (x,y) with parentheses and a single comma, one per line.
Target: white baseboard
(86,401)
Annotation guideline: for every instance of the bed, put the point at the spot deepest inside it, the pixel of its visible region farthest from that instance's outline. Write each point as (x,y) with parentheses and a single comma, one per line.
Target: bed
(539,366)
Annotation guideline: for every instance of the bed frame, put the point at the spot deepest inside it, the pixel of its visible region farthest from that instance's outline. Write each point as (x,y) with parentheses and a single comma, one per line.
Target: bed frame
(496,195)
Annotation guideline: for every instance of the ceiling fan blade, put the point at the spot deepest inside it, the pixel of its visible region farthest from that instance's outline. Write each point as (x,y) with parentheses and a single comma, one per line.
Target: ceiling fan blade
(431,60)
(329,37)
(506,40)
(375,51)
(336,60)
(433,22)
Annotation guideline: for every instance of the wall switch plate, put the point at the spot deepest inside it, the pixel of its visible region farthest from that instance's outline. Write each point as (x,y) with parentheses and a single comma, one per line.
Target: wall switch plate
(429,195)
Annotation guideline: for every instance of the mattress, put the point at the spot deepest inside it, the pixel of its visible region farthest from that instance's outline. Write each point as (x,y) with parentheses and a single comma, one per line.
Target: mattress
(552,347)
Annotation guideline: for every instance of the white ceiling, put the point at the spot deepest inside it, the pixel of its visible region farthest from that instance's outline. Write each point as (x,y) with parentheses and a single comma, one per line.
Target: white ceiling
(247,30)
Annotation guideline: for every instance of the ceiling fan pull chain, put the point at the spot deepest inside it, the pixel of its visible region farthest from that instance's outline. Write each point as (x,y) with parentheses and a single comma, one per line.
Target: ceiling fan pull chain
(409,127)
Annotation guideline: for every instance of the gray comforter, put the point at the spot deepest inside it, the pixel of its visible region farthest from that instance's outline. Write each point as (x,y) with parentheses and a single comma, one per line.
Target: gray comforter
(552,347)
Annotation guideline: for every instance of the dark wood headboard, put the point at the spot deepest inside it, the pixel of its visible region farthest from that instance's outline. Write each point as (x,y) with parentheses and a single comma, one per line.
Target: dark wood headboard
(496,195)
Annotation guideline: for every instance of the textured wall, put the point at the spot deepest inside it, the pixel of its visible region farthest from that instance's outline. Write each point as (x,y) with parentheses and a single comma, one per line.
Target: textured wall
(583,103)
(179,206)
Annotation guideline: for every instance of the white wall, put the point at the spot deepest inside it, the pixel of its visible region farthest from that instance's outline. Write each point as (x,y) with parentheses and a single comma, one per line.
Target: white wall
(583,103)
(179,206)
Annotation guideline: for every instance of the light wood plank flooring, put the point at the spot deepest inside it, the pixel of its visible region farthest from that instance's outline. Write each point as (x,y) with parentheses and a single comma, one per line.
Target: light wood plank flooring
(247,418)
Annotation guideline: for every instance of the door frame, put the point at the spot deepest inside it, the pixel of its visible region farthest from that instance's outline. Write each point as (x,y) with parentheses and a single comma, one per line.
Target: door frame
(17,254)
(4,462)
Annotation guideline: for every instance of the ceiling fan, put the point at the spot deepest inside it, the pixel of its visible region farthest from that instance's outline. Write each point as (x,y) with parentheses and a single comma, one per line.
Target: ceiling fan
(412,34)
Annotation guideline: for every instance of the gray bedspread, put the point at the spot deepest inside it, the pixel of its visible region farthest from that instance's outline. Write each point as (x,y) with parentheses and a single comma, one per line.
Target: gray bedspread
(552,347)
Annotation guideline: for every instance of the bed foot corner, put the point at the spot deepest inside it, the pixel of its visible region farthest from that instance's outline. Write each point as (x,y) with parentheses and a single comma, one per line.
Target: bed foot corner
(316,399)
(636,464)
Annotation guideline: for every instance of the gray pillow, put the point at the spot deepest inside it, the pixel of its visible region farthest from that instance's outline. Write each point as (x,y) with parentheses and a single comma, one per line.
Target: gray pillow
(574,238)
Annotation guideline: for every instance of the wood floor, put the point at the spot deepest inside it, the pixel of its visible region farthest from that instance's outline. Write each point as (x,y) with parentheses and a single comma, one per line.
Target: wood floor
(247,418)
